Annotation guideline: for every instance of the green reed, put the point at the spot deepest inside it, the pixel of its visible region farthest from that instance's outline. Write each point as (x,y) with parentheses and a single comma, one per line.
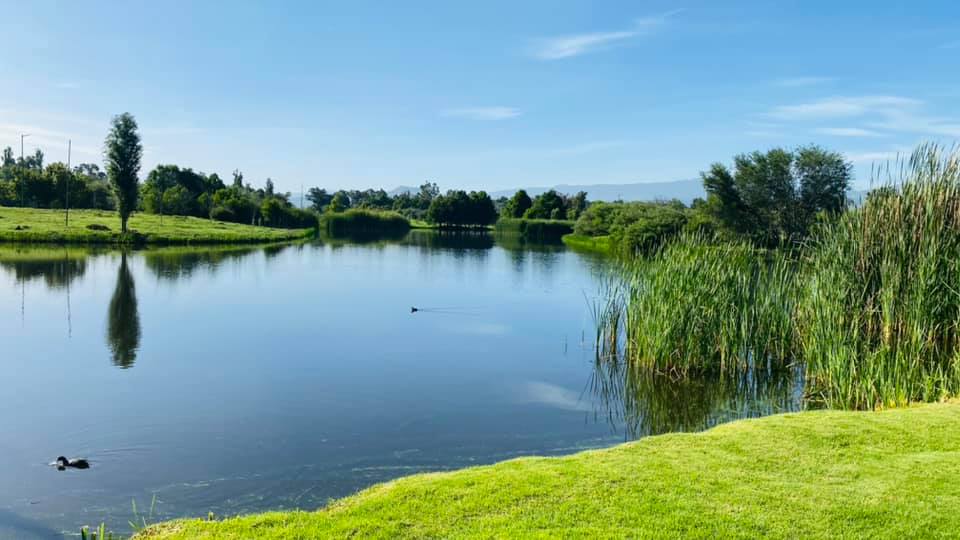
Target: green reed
(878,311)
(697,305)
(870,307)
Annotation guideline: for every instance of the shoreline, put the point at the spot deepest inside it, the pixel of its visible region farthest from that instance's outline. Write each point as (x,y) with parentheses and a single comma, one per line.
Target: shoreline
(813,474)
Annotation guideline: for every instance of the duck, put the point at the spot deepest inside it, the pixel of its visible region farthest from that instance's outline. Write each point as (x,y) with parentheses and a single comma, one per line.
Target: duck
(62,463)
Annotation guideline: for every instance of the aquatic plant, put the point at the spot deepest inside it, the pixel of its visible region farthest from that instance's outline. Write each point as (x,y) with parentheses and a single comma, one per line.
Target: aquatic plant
(362,221)
(880,300)
(696,305)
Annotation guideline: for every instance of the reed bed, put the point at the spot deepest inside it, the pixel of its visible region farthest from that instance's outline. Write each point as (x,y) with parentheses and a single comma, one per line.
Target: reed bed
(880,302)
(699,306)
(869,307)
(363,221)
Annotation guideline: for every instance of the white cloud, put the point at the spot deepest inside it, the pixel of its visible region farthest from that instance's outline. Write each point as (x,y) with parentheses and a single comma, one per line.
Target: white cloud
(593,146)
(843,107)
(871,157)
(791,82)
(848,132)
(576,44)
(483,113)
(544,393)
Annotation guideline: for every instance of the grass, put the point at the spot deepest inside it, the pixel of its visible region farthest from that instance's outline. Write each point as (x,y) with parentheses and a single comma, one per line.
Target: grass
(597,244)
(38,225)
(823,474)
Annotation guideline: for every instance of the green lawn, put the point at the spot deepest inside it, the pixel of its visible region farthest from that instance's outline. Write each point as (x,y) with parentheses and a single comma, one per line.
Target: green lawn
(825,474)
(48,226)
(599,244)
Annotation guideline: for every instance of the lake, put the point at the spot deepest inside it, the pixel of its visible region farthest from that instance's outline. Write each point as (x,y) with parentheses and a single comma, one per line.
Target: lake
(233,380)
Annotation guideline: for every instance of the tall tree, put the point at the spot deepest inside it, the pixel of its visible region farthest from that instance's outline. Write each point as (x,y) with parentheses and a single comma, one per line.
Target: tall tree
(122,160)
(776,196)
(8,159)
(517,205)
(319,198)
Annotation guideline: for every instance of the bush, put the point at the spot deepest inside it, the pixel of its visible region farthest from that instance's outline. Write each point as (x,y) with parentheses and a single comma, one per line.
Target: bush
(97,227)
(635,227)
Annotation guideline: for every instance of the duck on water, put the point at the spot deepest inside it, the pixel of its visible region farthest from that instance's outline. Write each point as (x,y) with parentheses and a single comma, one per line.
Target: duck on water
(63,463)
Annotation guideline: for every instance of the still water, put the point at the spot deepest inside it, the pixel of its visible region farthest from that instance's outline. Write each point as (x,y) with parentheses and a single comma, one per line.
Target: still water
(246,379)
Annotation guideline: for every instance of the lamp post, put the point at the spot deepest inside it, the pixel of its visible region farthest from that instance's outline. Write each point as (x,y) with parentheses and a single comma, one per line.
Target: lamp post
(22,179)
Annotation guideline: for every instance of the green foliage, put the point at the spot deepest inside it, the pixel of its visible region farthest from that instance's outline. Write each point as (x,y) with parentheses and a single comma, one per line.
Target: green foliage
(461,209)
(548,205)
(812,475)
(634,227)
(880,307)
(775,197)
(362,221)
(517,205)
(319,199)
(340,202)
(534,229)
(122,154)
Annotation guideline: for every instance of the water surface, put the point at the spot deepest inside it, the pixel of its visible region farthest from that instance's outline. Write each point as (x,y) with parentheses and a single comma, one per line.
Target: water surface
(233,380)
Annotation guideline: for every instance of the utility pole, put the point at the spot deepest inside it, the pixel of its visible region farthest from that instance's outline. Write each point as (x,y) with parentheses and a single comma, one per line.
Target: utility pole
(69,174)
(22,164)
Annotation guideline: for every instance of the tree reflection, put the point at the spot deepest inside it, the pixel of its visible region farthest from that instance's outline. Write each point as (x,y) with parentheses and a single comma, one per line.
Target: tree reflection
(57,270)
(174,264)
(123,319)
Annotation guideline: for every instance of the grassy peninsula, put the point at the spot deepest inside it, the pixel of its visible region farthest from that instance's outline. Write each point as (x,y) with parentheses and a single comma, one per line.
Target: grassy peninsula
(821,474)
(103,227)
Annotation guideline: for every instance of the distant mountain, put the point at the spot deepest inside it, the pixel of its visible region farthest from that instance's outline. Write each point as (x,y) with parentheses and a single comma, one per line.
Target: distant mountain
(400,190)
(684,190)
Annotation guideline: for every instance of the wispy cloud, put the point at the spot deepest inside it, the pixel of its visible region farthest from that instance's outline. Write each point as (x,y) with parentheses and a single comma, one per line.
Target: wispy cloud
(848,132)
(567,46)
(544,393)
(483,113)
(793,82)
(880,115)
(873,157)
(592,146)
(842,107)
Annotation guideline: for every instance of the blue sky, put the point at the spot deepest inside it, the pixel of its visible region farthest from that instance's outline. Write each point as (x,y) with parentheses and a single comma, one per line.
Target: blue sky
(487,94)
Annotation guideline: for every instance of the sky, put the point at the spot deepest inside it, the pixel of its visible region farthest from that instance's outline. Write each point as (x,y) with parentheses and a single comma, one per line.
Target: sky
(492,95)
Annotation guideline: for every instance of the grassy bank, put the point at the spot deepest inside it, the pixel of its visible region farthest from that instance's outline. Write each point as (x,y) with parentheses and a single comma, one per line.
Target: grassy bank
(597,244)
(823,474)
(103,227)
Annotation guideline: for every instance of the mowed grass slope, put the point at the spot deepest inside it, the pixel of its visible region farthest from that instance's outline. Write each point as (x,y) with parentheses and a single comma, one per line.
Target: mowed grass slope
(36,225)
(824,474)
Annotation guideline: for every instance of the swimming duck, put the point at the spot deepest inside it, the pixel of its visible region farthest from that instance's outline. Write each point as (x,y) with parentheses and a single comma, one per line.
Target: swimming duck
(62,463)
